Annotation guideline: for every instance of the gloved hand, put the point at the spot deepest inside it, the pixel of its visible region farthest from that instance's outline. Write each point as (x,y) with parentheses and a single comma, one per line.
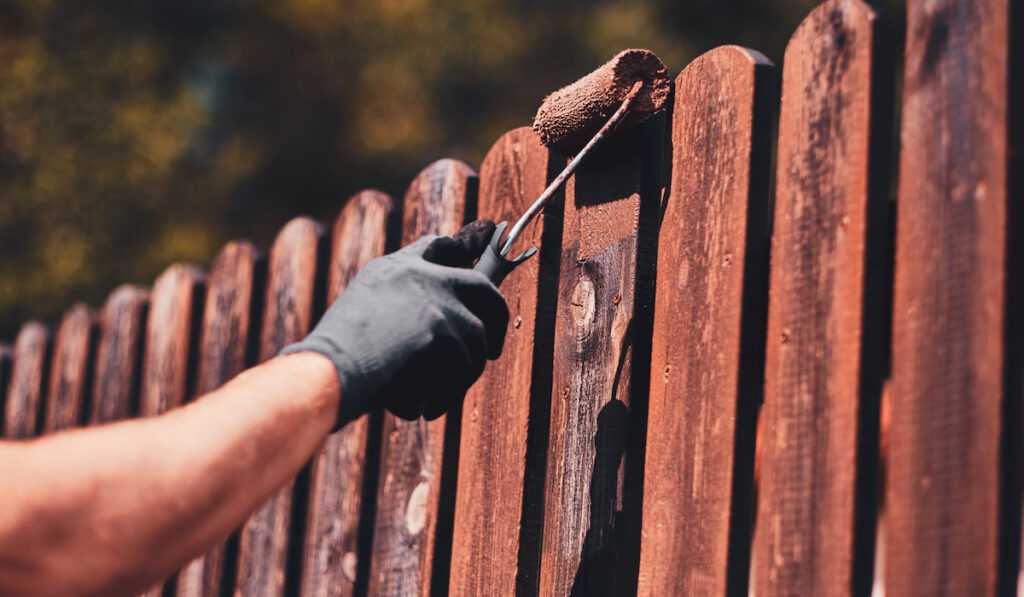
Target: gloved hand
(413,329)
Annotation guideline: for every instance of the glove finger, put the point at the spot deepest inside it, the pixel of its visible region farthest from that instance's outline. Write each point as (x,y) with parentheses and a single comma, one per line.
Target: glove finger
(485,301)
(463,248)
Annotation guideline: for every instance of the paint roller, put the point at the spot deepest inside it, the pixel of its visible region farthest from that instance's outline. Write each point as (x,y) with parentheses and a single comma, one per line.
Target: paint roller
(622,93)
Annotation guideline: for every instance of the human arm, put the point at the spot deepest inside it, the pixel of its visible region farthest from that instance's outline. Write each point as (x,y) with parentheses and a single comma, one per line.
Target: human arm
(110,510)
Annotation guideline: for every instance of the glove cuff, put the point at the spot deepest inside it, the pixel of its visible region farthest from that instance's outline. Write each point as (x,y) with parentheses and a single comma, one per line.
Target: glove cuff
(357,385)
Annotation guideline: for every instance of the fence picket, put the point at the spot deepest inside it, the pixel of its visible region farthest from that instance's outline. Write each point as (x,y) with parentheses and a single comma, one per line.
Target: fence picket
(822,379)
(122,326)
(508,406)
(708,341)
(336,553)
(5,378)
(227,346)
(943,480)
(69,369)
(25,391)
(600,370)
(411,543)
(293,301)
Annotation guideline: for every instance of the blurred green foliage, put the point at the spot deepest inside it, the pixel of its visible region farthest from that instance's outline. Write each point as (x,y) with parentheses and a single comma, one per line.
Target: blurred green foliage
(135,134)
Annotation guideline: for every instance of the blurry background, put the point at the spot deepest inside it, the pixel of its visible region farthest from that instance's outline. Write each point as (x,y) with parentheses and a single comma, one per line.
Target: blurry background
(135,134)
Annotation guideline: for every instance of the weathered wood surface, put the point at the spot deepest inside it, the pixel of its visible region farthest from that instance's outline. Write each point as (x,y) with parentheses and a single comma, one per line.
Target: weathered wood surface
(227,345)
(817,383)
(417,479)
(943,476)
(25,391)
(169,351)
(501,410)
(708,341)
(167,362)
(70,369)
(595,459)
(122,324)
(293,299)
(337,548)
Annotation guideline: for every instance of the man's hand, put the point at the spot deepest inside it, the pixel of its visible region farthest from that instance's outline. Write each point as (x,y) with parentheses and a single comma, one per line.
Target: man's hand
(413,329)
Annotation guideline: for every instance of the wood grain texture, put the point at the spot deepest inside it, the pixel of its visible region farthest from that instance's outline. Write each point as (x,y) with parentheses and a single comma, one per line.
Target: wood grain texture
(227,346)
(336,555)
(25,391)
(943,476)
(122,324)
(496,418)
(708,341)
(815,388)
(70,373)
(171,334)
(600,367)
(293,300)
(417,479)
(168,366)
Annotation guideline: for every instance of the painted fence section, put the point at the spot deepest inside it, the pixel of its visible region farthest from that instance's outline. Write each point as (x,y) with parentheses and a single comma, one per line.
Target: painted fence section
(708,344)
(557,476)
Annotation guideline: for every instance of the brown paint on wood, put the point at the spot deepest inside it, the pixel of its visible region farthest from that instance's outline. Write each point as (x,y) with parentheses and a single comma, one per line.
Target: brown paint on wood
(70,369)
(708,341)
(169,352)
(292,301)
(335,555)
(119,355)
(943,478)
(226,347)
(496,417)
(28,375)
(816,388)
(5,377)
(417,482)
(601,351)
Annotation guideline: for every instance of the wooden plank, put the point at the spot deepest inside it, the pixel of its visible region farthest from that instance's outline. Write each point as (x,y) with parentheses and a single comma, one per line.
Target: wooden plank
(708,341)
(167,376)
(293,299)
(600,372)
(119,355)
(227,345)
(820,378)
(943,478)
(70,369)
(171,333)
(417,481)
(500,410)
(25,392)
(336,551)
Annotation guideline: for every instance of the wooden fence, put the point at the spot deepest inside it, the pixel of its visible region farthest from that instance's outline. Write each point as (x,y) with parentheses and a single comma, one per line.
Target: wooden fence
(712,384)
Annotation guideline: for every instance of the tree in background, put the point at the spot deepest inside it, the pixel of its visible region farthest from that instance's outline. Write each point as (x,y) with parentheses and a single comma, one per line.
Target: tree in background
(134,134)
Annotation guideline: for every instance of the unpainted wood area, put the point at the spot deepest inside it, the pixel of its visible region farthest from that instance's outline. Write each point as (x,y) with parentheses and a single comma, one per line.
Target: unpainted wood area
(227,343)
(415,496)
(337,546)
(269,544)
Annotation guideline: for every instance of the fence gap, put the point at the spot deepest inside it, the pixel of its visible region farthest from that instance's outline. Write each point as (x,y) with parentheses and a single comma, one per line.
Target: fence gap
(335,555)
(943,479)
(294,267)
(708,343)
(413,477)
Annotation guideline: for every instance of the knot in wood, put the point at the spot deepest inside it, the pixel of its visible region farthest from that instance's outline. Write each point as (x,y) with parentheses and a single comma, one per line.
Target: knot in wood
(416,509)
(583,306)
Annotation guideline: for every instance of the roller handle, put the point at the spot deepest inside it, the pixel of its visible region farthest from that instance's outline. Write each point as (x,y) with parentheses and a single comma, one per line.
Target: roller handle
(492,264)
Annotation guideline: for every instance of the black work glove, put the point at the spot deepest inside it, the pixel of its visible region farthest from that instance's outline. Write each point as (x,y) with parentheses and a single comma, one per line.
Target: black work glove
(413,329)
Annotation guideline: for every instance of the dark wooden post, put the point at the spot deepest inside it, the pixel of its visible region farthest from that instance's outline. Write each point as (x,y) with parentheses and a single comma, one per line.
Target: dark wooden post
(25,391)
(122,326)
(70,369)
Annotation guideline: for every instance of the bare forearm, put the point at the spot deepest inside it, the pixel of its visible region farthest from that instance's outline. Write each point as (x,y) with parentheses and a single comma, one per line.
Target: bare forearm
(112,509)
